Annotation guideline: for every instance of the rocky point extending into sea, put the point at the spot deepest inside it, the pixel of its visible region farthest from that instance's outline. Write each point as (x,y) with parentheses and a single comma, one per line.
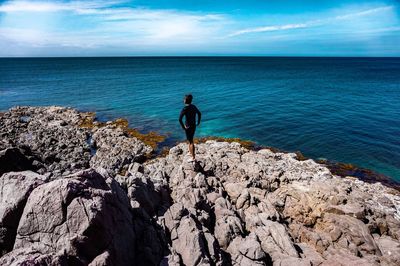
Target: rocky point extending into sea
(74,191)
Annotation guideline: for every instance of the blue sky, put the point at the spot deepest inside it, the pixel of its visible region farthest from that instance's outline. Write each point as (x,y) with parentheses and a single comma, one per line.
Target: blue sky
(202,27)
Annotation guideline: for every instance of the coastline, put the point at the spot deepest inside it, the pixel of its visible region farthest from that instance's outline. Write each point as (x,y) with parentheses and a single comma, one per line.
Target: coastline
(156,139)
(160,148)
(337,168)
(341,168)
(63,175)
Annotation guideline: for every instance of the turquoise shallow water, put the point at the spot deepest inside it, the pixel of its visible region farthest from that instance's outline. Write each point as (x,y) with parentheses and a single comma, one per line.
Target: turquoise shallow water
(342,109)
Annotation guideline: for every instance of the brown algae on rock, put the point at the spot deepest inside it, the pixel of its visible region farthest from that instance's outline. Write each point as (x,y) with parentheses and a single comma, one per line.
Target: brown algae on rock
(367,175)
(87,120)
(152,138)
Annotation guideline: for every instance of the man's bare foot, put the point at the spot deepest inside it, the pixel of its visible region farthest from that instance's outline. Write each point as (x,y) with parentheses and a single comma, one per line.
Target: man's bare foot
(190,160)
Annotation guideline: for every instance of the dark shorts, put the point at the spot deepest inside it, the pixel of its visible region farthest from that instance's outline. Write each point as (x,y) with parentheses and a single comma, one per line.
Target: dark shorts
(190,133)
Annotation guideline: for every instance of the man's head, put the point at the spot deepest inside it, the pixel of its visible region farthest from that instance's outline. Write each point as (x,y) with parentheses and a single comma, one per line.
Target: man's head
(188,99)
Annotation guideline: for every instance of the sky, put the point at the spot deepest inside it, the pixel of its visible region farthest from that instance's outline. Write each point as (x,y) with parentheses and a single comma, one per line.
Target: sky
(199,27)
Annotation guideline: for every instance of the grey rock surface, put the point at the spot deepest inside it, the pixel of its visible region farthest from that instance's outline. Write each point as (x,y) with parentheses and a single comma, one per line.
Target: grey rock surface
(27,256)
(115,151)
(52,140)
(15,188)
(81,217)
(267,208)
(52,134)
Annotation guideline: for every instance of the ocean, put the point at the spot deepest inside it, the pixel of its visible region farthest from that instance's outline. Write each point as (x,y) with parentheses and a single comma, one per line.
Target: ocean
(341,109)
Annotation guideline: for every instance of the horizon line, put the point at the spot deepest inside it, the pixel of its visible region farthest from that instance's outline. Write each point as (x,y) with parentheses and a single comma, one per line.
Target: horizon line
(198,56)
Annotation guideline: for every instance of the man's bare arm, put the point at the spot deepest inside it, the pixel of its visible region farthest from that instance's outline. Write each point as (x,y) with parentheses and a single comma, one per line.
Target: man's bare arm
(180,119)
(198,117)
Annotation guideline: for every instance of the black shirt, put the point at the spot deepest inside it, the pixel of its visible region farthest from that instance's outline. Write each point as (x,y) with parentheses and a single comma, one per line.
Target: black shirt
(190,111)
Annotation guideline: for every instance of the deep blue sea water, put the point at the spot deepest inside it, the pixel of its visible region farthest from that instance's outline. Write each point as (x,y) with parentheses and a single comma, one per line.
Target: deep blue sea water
(342,109)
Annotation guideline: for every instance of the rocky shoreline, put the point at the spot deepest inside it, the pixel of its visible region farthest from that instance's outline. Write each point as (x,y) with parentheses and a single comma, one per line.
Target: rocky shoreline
(77,192)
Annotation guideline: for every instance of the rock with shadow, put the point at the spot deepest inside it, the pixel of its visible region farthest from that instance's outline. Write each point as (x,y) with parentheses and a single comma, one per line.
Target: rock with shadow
(80,219)
(15,188)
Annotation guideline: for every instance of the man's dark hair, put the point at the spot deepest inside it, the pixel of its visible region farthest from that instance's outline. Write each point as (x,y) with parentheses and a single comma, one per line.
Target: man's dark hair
(188,98)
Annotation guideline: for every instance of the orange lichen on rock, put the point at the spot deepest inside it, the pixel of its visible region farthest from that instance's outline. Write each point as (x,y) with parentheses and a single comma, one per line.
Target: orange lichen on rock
(346,169)
(367,175)
(152,138)
(300,156)
(87,120)
(120,122)
(164,152)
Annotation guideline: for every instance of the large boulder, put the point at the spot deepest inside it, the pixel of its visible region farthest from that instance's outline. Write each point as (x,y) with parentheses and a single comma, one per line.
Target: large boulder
(80,217)
(15,188)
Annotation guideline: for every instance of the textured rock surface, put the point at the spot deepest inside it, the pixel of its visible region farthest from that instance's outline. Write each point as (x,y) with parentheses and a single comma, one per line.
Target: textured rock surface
(115,150)
(232,207)
(264,208)
(31,257)
(81,216)
(15,187)
(52,135)
(51,140)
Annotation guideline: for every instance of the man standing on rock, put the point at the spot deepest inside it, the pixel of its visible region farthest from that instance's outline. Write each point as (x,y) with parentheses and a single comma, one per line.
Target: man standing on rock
(190,111)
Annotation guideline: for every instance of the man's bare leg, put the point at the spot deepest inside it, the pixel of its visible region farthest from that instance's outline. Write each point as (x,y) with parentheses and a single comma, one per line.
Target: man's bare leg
(192,149)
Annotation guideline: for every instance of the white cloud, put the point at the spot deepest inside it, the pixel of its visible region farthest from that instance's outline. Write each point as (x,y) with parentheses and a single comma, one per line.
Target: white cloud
(312,23)
(45,6)
(112,24)
(40,38)
(365,12)
(270,28)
